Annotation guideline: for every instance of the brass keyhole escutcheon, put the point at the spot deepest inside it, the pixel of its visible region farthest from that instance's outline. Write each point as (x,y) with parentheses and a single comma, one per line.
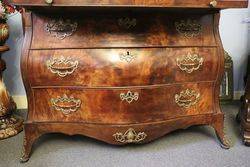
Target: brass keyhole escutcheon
(128,57)
(49,1)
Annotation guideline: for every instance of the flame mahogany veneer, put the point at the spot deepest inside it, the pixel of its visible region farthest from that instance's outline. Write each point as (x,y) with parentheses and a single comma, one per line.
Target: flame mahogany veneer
(121,77)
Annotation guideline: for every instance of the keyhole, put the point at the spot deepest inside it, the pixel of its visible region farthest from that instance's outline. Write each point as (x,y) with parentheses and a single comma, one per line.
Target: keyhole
(128,53)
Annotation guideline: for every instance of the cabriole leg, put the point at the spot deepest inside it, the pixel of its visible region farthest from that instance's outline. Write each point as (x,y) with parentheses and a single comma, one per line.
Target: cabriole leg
(218,126)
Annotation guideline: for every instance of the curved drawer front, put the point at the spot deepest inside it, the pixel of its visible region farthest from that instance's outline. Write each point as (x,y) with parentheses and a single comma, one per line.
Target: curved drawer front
(122,106)
(121,29)
(121,67)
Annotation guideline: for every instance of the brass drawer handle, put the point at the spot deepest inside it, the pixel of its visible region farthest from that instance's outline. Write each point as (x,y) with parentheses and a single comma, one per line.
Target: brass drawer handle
(187,98)
(130,136)
(190,62)
(128,57)
(61,28)
(62,66)
(127,22)
(65,104)
(49,1)
(188,28)
(129,96)
(213,3)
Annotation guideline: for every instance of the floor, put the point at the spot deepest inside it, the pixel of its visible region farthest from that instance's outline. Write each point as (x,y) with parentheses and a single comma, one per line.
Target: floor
(194,147)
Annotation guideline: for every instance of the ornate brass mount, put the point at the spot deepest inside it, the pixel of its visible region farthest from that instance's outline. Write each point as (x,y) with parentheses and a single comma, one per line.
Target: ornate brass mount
(65,104)
(128,57)
(127,22)
(130,136)
(62,66)
(3,110)
(49,2)
(187,98)
(188,28)
(190,62)
(213,3)
(129,96)
(61,28)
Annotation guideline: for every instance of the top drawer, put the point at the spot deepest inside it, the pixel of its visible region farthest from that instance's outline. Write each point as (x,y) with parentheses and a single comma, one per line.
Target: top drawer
(121,30)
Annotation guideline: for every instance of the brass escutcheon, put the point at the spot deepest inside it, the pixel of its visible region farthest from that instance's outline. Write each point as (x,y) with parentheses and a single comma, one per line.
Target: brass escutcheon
(128,57)
(129,96)
(130,136)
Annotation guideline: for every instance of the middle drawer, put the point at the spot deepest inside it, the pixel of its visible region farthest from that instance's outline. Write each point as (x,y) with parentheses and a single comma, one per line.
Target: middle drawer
(121,67)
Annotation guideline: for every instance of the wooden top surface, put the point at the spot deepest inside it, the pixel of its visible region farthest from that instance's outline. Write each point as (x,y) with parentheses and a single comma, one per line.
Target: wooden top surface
(135,3)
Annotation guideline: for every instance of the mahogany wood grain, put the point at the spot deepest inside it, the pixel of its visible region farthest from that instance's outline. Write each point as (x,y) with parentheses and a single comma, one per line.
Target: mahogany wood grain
(136,3)
(101,78)
(105,132)
(106,106)
(103,30)
(105,68)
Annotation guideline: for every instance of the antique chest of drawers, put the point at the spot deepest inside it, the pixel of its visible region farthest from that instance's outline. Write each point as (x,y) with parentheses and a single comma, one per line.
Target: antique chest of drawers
(121,71)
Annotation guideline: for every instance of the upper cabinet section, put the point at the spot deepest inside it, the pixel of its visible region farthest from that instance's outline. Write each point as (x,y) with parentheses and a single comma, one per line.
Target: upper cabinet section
(136,3)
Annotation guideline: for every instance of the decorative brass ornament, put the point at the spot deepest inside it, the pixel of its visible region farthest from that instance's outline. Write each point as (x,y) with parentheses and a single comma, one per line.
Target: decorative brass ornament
(128,57)
(129,96)
(127,22)
(4,33)
(8,127)
(213,3)
(49,1)
(2,109)
(62,66)
(187,98)
(190,62)
(130,136)
(188,28)
(65,104)
(61,28)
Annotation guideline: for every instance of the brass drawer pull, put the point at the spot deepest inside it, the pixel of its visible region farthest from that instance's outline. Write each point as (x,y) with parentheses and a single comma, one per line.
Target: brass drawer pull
(190,62)
(187,98)
(127,22)
(65,104)
(130,136)
(49,1)
(61,28)
(129,96)
(128,57)
(62,66)
(188,28)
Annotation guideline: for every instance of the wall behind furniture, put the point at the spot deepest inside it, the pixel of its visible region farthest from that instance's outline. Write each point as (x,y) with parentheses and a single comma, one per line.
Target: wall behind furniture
(235,36)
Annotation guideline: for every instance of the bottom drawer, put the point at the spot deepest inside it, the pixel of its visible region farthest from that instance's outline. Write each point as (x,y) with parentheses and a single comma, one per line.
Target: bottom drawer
(121,106)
